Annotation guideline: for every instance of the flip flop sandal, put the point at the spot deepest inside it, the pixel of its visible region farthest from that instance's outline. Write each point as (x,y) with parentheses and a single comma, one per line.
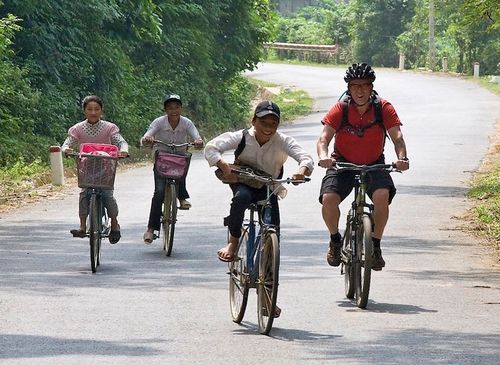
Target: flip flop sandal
(228,259)
(114,237)
(78,233)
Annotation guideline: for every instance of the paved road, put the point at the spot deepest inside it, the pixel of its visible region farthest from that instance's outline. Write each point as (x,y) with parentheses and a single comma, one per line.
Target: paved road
(437,301)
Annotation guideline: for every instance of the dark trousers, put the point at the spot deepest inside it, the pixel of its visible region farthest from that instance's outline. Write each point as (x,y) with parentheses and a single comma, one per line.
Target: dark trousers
(243,196)
(158,196)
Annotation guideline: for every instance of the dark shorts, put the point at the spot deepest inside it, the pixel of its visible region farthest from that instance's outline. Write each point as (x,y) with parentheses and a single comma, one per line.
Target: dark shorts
(342,183)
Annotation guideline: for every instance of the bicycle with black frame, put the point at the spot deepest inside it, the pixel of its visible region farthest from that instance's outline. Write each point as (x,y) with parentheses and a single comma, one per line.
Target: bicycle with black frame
(257,256)
(172,164)
(357,245)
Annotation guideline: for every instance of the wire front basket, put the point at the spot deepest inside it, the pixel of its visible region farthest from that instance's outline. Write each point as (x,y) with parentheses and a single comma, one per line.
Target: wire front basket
(96,171)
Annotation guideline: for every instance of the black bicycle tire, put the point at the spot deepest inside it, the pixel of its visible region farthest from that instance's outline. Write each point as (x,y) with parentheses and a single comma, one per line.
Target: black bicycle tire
(347,259)
(239,280)
(94,232)
(269,260)
(169,218)
(365,252)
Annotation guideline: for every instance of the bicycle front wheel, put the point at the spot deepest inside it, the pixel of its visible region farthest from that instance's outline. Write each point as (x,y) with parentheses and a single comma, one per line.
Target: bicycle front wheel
(349,284)
(169,217)
(95,225)
(239,280)
(267,283)
(364,254)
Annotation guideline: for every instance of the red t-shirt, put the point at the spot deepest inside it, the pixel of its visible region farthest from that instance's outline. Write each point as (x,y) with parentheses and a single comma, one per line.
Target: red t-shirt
(368,148)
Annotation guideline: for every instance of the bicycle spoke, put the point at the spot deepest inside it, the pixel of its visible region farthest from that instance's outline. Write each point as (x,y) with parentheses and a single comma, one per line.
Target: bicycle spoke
(267,284)
(238,281)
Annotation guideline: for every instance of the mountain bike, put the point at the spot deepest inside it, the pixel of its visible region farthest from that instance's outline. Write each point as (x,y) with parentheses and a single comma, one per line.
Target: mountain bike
(172,165)
(96,172)
(258,257)
(357,245)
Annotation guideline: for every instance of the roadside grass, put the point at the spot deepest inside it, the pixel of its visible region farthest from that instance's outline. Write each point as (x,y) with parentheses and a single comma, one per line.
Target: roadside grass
(22,179)
(484,82)
(485,193)
(293,103)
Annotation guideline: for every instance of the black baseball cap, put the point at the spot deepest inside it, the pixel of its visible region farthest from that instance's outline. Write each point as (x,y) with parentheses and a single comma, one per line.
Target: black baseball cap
(267,107)
(172,97)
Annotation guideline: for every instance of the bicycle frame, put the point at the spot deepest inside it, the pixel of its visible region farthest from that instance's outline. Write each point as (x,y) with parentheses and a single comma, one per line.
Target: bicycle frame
(257,265)
(254,243)
(358,209)
(169,211)
(98,225)
(357,243)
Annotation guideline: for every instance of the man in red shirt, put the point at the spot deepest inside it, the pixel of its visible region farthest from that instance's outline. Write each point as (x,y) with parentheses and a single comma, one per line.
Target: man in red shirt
(359,138)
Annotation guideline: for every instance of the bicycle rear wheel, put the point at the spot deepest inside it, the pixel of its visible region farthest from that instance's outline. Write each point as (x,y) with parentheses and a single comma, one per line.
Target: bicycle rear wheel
(364,254)
(348,269)
(169,217)
(239,280)
(95,226)
(267,282)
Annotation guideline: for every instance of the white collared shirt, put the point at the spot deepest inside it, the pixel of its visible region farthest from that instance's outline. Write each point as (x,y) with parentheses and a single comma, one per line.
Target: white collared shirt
(269,157)
(161,129)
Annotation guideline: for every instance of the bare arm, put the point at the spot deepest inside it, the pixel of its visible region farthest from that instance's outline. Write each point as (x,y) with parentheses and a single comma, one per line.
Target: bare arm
(324,140)
(396,135)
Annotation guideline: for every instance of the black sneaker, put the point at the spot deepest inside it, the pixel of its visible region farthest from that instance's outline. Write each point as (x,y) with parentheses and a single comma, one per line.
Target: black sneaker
(333,257)
(377,261)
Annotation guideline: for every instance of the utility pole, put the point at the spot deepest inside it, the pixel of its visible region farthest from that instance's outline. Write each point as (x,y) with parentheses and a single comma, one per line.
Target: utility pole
(432,42)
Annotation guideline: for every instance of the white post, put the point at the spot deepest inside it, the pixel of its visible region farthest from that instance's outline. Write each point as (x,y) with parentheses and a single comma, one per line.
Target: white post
(445,64)
(56,165)
(401,62)
(476,69)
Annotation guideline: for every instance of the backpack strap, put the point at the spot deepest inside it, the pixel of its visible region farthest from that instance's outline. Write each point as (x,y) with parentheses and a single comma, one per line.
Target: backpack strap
(377,107)
(241,147)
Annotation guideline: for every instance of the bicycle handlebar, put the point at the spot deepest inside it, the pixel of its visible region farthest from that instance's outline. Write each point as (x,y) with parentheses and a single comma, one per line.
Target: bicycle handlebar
(174,145)
(268,180)
(79,154)
(364,168)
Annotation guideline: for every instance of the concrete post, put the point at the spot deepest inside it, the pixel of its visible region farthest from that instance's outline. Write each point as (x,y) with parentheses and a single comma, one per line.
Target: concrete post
(56,165)
(476,69)
(401,62)
(445,64)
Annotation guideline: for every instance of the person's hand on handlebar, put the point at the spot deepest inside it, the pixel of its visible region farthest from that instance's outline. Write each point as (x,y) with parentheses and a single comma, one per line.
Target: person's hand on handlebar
(198,143)
(301,175)
(402,165)
(68,151)
(298,177)
(228,176)
(148,140)
(326,162)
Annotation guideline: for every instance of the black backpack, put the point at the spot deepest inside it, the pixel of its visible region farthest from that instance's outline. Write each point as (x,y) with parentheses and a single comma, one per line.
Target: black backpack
(345,99)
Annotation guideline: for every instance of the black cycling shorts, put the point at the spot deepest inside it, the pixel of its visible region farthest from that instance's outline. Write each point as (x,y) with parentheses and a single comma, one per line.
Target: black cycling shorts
(342,183)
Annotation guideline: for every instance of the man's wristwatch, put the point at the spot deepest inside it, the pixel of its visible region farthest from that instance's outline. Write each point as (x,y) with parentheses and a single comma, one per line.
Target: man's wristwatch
(404,159)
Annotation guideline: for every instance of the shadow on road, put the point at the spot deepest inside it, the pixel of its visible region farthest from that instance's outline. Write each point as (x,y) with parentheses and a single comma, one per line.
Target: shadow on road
(24,346)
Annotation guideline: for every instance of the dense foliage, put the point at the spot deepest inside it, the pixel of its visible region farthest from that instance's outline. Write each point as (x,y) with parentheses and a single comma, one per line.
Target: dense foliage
(377,31)
(129,52)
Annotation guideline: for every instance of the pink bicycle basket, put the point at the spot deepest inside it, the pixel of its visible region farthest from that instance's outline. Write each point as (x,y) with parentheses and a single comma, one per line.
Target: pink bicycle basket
(172,165)
(97,165)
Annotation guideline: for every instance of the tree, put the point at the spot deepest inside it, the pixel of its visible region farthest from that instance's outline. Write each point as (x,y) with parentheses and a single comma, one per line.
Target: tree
(376,24)
(16,100)
(133,52)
